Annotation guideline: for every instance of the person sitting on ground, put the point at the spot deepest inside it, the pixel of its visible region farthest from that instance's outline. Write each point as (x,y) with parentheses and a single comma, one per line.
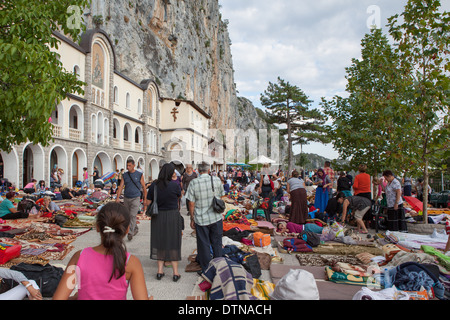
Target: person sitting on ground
(41,186)
(113,190)
(7,209)
(49,206)
(104,272)
(360,206)
(30,187)
(66,192)
(25,288)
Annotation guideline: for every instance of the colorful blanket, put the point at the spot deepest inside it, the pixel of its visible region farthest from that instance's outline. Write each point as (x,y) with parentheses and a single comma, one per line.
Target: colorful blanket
(345,278)
(229,280)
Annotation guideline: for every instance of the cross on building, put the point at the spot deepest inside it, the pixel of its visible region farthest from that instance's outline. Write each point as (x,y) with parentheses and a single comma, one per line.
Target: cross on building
(174,113)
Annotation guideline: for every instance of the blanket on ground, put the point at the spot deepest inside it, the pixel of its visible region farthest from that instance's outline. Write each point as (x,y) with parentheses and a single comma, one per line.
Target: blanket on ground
(229,280)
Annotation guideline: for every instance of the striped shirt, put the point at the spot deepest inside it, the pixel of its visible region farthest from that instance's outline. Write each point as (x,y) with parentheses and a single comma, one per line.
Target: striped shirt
(200,192)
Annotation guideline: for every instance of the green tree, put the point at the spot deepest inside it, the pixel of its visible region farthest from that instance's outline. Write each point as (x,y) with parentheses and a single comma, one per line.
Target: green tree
(311,128)
(284,105)
(422,37)
(365,125)
(32,79)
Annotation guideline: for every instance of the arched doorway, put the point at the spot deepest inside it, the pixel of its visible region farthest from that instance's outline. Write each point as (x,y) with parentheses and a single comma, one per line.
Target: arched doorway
(32,164)
(153,171)
(127,136)
(103,163)
(9,166)
(79,161)
(58,159)
(140,164)
(76,123)
(118,162)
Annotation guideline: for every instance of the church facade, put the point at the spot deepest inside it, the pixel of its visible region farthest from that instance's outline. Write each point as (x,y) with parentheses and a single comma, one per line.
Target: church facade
(116,119)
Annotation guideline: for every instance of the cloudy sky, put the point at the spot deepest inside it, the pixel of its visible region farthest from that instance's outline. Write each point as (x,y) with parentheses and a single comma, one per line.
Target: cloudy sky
(308,43)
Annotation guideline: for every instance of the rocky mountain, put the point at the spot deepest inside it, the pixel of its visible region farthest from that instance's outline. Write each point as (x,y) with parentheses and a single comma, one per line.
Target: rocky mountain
(184,45)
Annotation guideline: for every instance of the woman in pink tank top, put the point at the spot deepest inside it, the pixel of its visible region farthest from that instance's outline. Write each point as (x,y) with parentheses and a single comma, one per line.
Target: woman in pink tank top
(104,272)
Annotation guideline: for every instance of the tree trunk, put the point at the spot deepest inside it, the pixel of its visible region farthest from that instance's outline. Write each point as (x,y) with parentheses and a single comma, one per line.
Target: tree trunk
(425,193)
(289,138)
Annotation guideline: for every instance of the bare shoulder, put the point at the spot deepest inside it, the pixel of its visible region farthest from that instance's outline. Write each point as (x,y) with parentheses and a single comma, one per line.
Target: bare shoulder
(133,263)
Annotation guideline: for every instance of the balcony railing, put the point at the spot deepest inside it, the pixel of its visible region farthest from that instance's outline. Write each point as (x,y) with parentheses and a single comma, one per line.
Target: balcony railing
(138,147)
(75,134)
(127,145)
(57,131)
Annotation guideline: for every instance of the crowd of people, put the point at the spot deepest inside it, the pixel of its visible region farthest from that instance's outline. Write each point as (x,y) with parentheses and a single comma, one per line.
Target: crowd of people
(337,196)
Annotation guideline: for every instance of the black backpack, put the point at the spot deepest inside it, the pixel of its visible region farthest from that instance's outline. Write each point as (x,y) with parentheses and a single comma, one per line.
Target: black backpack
(311,238)
(47,277)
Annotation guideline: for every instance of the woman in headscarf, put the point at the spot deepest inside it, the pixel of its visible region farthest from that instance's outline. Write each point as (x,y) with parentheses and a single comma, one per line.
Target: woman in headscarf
(323,182)
(299,202)
(167,226)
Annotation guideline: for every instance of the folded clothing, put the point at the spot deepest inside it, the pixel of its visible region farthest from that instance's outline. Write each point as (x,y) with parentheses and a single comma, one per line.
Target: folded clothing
(296,245)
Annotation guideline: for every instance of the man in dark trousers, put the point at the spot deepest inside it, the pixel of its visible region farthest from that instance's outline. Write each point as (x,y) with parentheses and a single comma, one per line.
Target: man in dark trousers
(134,184)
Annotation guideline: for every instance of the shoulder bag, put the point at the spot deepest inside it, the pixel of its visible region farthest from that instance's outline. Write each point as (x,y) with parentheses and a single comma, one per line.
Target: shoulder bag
(152,209)
(217,204)
(129,175)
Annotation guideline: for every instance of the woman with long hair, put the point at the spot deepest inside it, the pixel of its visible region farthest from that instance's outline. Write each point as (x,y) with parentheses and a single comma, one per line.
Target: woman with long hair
(167,226)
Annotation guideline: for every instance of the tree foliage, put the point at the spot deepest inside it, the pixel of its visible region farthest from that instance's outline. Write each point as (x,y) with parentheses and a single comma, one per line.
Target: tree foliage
(288,105)
(397,113)
(367,124)
(422,37)
(32,78)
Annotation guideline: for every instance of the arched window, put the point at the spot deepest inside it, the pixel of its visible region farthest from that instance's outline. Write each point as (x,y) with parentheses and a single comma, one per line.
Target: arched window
(77,71)
(116,94)
(128,106)
(139,106)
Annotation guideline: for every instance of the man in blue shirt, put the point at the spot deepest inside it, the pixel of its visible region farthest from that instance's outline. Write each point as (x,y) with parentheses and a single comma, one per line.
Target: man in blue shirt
(134,184)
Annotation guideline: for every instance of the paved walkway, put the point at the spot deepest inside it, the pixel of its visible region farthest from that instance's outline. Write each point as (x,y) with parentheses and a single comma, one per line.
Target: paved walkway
(164,289)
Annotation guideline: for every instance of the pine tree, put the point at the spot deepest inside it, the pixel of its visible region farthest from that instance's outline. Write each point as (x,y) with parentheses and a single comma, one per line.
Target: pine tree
(285,104)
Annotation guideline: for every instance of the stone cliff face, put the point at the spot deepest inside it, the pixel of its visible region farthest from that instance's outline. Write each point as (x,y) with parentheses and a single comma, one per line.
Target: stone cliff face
(183,45)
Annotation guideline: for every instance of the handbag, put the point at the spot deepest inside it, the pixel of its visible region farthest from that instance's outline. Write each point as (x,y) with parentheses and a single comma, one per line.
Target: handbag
(152,209)
(217,204)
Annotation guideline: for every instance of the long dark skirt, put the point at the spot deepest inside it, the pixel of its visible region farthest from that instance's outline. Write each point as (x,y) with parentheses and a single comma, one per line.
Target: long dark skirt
(299,206)
(165,236)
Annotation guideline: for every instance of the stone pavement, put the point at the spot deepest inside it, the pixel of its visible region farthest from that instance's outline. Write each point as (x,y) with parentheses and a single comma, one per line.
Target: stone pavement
(164,289)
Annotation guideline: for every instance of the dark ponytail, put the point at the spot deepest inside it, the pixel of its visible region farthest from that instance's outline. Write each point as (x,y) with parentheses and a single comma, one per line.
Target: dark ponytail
(113,220)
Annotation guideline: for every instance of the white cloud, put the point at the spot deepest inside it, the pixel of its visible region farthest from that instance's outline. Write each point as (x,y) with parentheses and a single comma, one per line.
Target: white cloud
(308,43)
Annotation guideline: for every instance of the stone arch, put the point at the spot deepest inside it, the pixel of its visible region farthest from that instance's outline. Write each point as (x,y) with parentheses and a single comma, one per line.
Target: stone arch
(153,171)
(118,162)
(32,163)
(11,166)
(78,162)
(58,157)
(76,122)
(103,163)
